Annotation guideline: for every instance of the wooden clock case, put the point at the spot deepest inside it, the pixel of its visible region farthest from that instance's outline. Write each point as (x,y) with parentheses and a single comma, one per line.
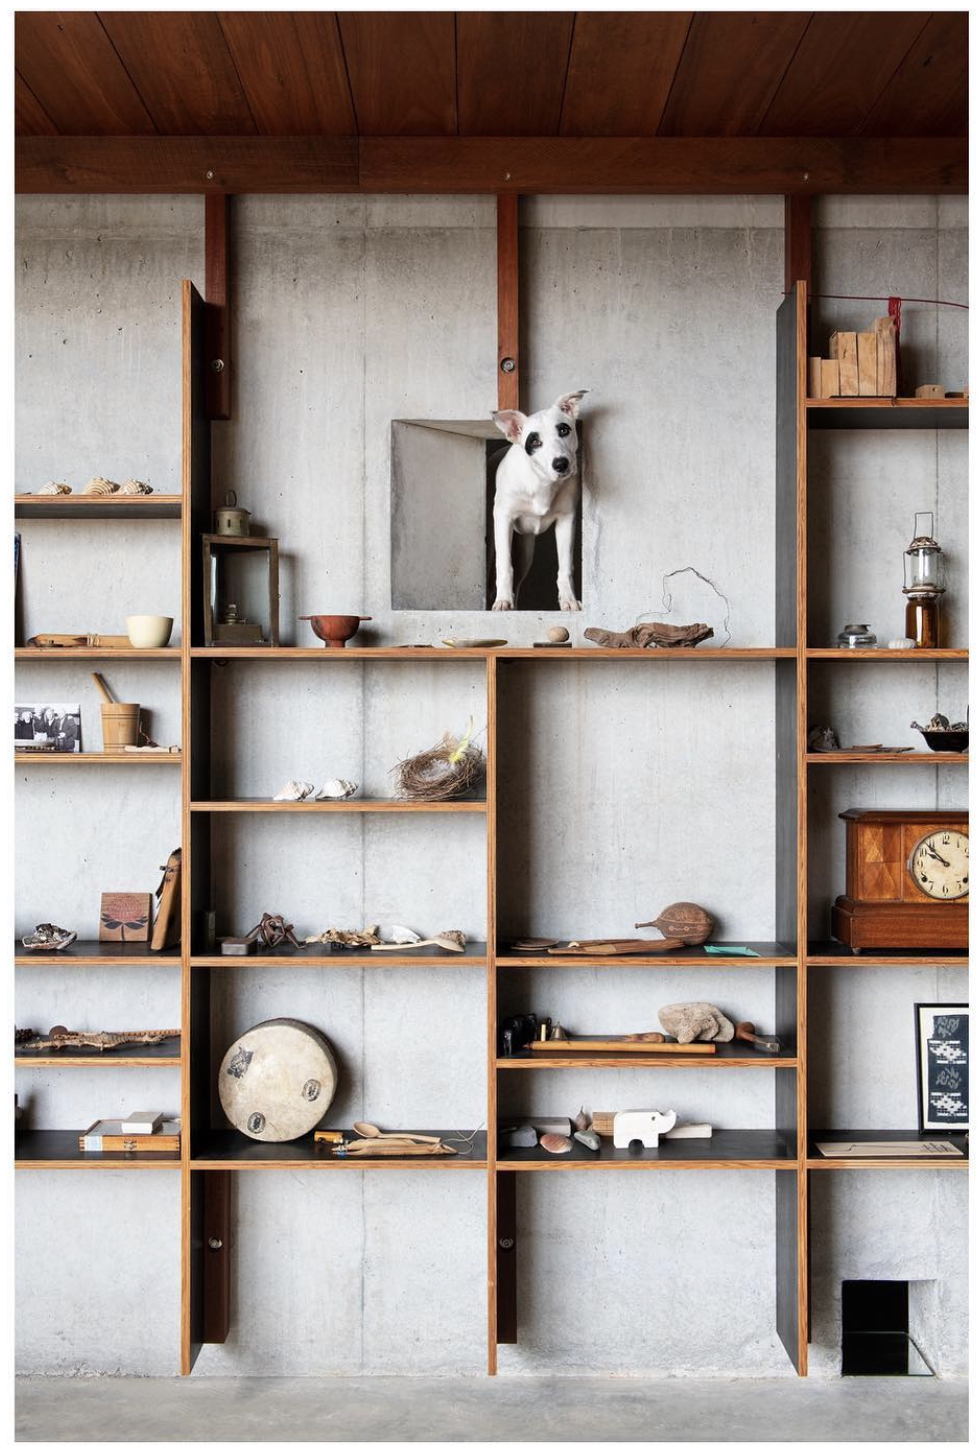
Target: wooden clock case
(884,908)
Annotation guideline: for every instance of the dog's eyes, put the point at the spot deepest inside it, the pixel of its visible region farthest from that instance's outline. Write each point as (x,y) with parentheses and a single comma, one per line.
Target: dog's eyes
(532,442)
(563,429)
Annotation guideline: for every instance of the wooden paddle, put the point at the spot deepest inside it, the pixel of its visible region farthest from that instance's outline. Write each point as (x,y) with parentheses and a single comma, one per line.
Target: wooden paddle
(597,947)
(621,1043)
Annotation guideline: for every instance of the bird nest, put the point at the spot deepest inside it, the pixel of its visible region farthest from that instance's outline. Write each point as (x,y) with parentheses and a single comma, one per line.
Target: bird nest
(451,769)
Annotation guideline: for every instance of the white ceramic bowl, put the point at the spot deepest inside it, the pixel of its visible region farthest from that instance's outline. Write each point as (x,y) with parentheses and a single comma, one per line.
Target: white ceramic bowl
(149,631)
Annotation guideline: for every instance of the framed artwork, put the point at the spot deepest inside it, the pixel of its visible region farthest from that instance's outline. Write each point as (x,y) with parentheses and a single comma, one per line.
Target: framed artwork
(47,727)
(942,1044)
(125,917)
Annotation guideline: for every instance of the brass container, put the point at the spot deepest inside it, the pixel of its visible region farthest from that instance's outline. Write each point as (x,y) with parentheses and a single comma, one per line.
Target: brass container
(229,519)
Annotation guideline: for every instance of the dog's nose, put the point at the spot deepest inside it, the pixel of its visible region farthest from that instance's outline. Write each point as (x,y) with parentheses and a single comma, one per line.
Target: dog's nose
(560,466)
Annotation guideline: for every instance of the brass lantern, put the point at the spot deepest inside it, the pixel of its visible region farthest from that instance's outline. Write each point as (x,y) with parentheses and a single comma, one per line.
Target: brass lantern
(925,582)
(241,575)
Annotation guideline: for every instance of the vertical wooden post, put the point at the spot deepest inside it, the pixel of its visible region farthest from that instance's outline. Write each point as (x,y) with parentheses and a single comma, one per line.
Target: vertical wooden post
(508,298)
(217,1254)
(217,213)
(796,247)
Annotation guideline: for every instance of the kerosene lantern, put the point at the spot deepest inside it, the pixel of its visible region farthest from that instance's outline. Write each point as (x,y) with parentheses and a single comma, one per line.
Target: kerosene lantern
(925,581)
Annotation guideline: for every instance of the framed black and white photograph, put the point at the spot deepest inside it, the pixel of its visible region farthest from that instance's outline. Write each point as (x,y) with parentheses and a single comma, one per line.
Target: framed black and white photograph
(942,1043)
(48,727)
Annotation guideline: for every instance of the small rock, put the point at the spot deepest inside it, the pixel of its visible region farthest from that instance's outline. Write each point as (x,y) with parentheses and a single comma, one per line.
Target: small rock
(519,1136)
(588,1138)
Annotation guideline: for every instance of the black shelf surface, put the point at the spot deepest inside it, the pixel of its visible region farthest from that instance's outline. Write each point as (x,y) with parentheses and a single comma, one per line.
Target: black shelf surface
(97,507)
(736,1147)
(167,1051)
(767,953)
(227,1148)
(38,1148)
(817,1158)
(94,951)
(312,956)
(887,414)
(830,949)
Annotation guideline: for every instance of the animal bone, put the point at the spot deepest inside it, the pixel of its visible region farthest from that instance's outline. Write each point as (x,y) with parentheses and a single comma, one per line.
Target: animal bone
(652,633)
(696,1020)
(347,938)
(58,1038)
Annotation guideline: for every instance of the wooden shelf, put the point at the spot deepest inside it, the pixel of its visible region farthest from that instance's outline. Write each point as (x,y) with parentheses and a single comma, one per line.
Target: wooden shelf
(725,1150)
(86,952)
(231,1151)
(770,956)
(816,1162)
(500,653)
(58,1151)
(97,653)
(872,413)
(882,653)
(97,507)
(320,956)
(733,1056)
(851,759)
(349,805)
(104,759)
(167,1054)
(827,953)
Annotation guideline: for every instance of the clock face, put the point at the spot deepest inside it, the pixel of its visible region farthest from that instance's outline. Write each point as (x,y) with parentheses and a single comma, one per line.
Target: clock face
(940,864)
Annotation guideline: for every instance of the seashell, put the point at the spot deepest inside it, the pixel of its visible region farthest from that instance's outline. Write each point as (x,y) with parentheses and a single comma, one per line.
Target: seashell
(54,488)
(97,485)
(588,1138)
(456,935)
(135,487)
(335,789)
(582,1121)
(557,1145)
(687,922)
(401,935)
(49,936)
(901,643)
(293,792)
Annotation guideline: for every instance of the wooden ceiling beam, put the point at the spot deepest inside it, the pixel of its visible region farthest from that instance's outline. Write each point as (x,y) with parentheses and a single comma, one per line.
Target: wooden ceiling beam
(594,165)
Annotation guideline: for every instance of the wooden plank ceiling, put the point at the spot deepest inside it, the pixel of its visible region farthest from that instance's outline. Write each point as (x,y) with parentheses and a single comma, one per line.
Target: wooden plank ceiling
(494,74)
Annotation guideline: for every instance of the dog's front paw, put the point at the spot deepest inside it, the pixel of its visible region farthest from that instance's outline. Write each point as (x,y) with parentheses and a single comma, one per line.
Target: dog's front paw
(503,603)
(569,603)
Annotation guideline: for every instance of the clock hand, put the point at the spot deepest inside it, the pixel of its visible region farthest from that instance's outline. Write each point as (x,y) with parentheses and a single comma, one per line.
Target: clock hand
(943,861)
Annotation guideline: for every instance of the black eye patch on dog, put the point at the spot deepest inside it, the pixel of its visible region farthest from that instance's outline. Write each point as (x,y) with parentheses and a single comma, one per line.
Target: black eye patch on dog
(563,430)
(532,442)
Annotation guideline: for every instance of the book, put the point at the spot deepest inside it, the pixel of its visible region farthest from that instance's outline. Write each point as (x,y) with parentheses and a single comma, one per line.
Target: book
(887,1148)
(142,1122)
(109,1136)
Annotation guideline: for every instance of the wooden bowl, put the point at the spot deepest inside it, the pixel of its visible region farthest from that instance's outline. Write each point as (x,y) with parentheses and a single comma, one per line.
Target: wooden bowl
(335,630)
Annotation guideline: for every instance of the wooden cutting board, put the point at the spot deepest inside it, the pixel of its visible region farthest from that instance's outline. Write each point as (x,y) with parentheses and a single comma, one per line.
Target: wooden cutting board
(580,1044)
(591,948)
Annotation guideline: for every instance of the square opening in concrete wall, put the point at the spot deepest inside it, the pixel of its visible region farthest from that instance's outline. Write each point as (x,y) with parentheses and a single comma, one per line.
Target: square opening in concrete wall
(875,1339)
(443,482)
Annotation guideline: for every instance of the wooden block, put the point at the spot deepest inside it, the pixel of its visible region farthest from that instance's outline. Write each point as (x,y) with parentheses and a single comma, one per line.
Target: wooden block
(829,378)
(867,351)
(930,391)
(814,380)
(125,917)
(887,360)
(846,356)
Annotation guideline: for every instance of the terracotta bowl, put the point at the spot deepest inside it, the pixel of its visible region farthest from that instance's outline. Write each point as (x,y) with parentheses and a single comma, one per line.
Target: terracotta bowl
(335,630)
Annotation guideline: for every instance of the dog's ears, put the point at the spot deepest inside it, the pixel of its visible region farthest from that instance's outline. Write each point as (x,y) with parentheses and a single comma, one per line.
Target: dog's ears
(510,422)
(568,403)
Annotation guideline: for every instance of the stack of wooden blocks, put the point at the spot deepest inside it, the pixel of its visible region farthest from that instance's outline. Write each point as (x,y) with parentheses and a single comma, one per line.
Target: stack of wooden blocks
(859,364)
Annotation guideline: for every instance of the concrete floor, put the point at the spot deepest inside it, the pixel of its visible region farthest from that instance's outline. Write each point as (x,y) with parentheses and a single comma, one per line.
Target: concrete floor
(469,1410)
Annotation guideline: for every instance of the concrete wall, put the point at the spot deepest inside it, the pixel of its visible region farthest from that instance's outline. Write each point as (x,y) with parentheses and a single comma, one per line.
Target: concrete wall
(617,795)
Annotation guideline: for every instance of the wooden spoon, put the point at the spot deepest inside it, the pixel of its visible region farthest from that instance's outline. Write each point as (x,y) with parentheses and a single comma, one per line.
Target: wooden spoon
(421,943)
(364,1128)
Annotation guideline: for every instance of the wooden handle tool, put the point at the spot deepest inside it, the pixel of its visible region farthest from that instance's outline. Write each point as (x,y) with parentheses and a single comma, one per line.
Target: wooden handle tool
(745,1030)
(369,1149)
(103,689)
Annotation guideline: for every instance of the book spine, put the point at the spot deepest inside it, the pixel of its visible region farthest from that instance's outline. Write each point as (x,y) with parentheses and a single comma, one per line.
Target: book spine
(128,1143)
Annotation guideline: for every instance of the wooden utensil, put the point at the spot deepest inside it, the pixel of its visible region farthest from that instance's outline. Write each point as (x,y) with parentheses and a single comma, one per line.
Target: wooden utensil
(103,689)
(368,1149)
(745,1030)
(603,947)
(421,943)
(365,1128)
(619,1044)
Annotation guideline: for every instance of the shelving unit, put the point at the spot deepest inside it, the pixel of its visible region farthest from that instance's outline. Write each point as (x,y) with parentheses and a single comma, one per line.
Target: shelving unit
(209,1156)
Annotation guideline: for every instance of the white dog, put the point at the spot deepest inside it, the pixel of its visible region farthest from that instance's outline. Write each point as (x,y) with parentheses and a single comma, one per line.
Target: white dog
(537,486)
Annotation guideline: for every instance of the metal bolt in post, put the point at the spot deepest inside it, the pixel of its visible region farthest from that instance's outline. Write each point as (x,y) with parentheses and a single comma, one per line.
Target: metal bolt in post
(215,1244)
(209,175)
(506,1243)
(217,364)
(507,365)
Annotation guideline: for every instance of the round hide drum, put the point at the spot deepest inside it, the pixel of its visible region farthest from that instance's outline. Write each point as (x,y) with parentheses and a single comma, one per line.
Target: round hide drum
(277,1080)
